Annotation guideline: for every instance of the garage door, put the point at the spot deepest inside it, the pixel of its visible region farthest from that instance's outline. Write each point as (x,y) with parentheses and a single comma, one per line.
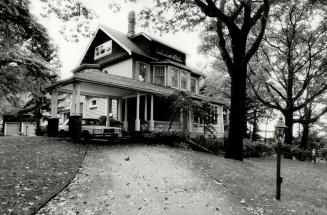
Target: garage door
(12,129)
(28,129)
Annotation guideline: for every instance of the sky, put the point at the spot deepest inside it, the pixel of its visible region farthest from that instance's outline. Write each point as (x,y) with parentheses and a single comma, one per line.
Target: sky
(71,52)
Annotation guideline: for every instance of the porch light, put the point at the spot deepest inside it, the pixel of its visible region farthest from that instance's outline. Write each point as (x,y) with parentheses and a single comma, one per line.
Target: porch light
(280,128)
(279,132)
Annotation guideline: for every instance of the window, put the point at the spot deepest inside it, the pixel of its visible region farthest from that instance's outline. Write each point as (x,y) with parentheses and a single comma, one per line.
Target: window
(93,103)
(184,80)
(103,50)
(159,75)
(193,85)
(142,71)
(174,77)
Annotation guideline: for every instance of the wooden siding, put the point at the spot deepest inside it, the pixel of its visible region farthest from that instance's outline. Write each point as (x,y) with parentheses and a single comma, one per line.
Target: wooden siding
(123,68)
(100,109)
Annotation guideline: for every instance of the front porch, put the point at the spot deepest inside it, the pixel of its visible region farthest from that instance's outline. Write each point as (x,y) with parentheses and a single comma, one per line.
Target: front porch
(138,105)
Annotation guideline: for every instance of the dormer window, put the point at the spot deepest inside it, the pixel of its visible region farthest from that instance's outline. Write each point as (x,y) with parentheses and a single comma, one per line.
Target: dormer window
(103,50)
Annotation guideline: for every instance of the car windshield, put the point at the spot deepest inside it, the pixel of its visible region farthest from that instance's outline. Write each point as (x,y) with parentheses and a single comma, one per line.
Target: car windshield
(90,122)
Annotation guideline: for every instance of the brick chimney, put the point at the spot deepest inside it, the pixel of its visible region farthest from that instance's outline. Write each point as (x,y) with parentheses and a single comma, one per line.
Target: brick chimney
(131,24)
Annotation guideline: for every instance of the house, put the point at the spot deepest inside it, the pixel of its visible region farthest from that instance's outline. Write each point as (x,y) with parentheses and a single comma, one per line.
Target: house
(128,75)
(18,124)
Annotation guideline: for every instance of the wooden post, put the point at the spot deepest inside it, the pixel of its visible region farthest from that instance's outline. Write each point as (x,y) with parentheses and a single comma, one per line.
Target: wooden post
(108,111)
(151,127)
(78,100)
(137,120)
(279,179)
(119,109)
(125,116)
(146,108)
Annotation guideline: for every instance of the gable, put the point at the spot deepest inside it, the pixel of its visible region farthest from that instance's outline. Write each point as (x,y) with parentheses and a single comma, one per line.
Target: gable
(100,38)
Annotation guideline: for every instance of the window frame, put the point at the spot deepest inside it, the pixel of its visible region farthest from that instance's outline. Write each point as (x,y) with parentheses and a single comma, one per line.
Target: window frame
(175,69)
(164,74)
(103,46)
(145,71)
(91,103)
(195,85)
(184,72)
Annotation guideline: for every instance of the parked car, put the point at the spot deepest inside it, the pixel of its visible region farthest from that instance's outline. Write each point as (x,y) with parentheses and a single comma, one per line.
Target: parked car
(92,129)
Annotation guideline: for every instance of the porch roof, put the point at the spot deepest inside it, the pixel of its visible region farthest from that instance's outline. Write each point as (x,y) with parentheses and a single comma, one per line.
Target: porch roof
(94,76)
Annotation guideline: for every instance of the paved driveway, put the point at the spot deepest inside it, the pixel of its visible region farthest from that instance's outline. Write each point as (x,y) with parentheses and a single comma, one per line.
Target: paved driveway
(139,179)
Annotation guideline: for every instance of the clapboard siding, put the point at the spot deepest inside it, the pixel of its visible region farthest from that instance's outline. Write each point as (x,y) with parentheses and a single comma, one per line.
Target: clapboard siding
(123,68)
(100,109)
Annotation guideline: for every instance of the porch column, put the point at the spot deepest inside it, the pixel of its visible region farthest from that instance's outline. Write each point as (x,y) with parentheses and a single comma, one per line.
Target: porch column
(146,108)
(78,101)
(220,120)
(72,107)
(53,122)
(137,120)
(189,121)
(151,114)
(54,104)
(125,117)
(108,111)
(119,109)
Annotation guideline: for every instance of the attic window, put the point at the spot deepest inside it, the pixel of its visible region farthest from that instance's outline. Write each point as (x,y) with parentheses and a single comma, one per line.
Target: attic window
(103,50)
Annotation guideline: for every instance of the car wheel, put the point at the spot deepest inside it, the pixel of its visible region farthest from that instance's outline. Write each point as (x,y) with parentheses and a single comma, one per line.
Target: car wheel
(86,135)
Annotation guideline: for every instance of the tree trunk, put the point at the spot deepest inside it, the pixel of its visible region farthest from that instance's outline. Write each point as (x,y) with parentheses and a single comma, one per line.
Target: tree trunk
(172,119)
(305,136)
(234,147)
(289,127)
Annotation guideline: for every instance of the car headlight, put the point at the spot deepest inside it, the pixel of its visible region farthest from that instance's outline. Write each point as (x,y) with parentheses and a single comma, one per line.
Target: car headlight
(97,131)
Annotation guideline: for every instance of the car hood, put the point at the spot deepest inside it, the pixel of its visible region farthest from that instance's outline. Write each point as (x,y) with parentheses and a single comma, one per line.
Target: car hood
(98,127)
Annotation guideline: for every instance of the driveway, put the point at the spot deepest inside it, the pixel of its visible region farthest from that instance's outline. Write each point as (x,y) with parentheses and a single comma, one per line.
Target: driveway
(140,179)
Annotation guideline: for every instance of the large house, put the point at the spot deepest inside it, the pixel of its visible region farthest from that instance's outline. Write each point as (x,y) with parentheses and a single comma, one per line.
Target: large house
(129,75)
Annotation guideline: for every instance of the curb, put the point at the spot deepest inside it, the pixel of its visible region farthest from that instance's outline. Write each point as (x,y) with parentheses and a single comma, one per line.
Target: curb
(62,187)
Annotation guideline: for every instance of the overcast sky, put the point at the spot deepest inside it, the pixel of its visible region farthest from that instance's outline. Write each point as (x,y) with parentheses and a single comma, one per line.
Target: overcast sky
(70,52)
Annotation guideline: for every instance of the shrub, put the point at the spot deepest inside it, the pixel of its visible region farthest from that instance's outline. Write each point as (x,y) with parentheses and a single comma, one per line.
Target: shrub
(322,153)
(256,149)
(301,155)
(212,143)
(171,138)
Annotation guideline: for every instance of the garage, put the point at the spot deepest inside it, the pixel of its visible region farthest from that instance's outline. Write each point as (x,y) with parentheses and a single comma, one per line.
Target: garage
(12,128)
(28,128)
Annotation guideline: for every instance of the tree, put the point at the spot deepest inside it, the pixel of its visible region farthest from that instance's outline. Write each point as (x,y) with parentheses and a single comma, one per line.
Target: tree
(25,50)
(181,101)
(234,22)
(292,57)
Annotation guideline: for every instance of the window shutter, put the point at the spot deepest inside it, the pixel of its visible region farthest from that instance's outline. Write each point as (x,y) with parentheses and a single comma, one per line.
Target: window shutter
(169,74)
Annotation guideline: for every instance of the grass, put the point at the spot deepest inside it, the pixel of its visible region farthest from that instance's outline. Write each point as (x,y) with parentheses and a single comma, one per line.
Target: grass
(303,190)
(32,169)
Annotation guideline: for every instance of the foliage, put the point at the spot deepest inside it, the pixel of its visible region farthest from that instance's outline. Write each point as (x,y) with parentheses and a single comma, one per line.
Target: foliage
(25,51)
(181,101)
(171,138)
(292,60)
(322,153)
(216,145)
(207,113)
(256,149)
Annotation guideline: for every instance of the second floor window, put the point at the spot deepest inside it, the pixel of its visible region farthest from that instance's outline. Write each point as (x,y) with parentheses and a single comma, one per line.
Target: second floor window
(174,77)
(142,71)
(159,75)
(193,85)
(103,50)
(184,80)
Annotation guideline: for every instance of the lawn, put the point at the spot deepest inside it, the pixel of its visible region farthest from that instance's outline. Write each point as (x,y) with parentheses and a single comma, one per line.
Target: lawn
(32,169)
(304,189)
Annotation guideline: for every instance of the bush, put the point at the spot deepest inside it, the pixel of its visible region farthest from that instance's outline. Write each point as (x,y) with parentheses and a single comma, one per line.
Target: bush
(212,143)
(172,138)
(301,155)
(256,149)
(322,153)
